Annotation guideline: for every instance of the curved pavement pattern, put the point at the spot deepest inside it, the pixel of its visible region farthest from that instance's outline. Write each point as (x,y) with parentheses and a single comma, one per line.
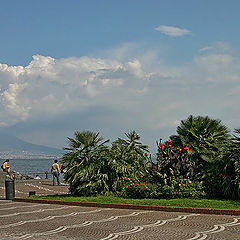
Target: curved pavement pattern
(21,220)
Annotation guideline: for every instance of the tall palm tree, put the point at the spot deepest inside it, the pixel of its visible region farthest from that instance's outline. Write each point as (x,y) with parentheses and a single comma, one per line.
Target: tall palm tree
(86,163)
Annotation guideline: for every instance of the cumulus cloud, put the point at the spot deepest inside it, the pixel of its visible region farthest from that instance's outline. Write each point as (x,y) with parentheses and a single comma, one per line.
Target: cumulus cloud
(172,31)
(49,86)
(137,93)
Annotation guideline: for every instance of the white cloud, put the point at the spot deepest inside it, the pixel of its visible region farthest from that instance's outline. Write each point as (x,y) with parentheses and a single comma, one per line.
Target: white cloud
(48,87)
(133,93)
(172,31)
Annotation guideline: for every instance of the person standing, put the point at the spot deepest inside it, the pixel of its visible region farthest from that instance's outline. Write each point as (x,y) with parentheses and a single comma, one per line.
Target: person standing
(6,168)
(55,172)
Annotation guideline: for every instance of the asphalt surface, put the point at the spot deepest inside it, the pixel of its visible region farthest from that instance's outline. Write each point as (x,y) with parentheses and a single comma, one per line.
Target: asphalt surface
(20,220)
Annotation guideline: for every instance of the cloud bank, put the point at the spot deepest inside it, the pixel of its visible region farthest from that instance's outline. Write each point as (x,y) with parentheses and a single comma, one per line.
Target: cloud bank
(172,31)
(135,93)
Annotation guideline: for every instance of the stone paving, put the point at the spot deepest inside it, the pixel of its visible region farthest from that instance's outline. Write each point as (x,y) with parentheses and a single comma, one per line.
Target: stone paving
(41,187)
(20,220)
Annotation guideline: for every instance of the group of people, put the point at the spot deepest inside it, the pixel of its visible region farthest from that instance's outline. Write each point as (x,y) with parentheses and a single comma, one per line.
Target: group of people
(55,170)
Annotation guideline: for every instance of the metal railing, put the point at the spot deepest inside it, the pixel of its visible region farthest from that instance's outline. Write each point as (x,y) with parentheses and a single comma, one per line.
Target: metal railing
(34,173)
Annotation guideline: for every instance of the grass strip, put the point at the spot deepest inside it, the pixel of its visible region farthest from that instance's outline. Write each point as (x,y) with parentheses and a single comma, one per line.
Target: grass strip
(179,202)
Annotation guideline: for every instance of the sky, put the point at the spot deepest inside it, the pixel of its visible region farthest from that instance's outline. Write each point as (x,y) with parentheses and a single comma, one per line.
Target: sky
(116,66)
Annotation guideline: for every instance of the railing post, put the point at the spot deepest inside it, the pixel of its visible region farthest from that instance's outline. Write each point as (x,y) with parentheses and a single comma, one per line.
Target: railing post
(46,175)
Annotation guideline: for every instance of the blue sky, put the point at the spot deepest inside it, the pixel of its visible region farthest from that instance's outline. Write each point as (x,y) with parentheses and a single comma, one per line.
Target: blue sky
(116,66)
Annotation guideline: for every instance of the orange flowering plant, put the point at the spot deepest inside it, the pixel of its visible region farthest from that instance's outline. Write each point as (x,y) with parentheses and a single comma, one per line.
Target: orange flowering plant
(173,160)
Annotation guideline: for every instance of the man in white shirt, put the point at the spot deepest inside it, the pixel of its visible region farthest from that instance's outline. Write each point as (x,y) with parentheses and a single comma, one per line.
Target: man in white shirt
(55,172)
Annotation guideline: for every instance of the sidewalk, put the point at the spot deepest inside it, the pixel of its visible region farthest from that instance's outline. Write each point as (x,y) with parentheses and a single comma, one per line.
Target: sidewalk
(44,187)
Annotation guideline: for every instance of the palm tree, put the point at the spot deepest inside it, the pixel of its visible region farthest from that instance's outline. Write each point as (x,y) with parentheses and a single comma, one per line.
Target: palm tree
(236,136)
(86,163)
(205,137)
(132,143)
(128,156)
(231,168)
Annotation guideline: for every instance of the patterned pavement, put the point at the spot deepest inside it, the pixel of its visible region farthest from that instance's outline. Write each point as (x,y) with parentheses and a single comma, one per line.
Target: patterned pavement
(19,220)
(41,187)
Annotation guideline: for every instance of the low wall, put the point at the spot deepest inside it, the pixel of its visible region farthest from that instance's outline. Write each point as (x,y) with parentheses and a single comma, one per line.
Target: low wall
(2,178)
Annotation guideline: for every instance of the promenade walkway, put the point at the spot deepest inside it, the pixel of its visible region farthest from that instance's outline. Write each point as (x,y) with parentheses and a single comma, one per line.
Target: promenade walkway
(22,220)
(41,187)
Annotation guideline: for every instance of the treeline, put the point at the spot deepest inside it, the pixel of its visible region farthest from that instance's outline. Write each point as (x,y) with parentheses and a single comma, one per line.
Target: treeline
(203,159)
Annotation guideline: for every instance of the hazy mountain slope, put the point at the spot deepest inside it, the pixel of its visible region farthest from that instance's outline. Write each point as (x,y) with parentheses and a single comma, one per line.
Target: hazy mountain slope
(13,144)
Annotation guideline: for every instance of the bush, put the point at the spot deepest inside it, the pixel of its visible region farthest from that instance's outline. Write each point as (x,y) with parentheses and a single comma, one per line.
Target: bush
(178,188)
(135,188)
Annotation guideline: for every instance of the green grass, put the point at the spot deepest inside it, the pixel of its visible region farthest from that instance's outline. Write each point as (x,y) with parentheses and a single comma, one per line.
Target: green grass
(194,203)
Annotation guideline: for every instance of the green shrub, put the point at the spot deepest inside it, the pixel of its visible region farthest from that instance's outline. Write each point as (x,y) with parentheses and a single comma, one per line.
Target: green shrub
(178,188)
(135,188)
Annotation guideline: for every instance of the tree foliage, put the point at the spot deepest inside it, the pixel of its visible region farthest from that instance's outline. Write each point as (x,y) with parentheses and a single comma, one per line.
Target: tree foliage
(203,153)
(205,136)
(87,163)
(94,168)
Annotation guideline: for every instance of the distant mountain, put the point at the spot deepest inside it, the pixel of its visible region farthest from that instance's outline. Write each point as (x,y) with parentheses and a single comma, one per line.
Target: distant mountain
(15,146)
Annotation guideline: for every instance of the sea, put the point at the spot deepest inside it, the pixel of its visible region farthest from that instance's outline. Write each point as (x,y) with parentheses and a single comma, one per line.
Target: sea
(32,167)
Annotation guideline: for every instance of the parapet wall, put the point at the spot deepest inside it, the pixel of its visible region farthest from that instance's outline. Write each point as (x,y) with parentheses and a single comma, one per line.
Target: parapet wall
(2,178)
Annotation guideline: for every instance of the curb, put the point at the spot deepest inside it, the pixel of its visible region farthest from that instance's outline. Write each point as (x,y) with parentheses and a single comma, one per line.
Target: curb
(135,207)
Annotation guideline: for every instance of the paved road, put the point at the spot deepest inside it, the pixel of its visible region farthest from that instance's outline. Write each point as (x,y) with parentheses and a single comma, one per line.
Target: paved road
(19,220)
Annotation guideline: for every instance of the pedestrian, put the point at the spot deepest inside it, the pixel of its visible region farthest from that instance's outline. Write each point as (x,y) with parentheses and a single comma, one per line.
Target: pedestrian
(55,172)
(6,168)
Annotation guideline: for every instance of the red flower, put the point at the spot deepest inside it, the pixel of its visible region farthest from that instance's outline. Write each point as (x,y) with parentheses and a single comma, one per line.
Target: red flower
(187,148)
(161,145)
